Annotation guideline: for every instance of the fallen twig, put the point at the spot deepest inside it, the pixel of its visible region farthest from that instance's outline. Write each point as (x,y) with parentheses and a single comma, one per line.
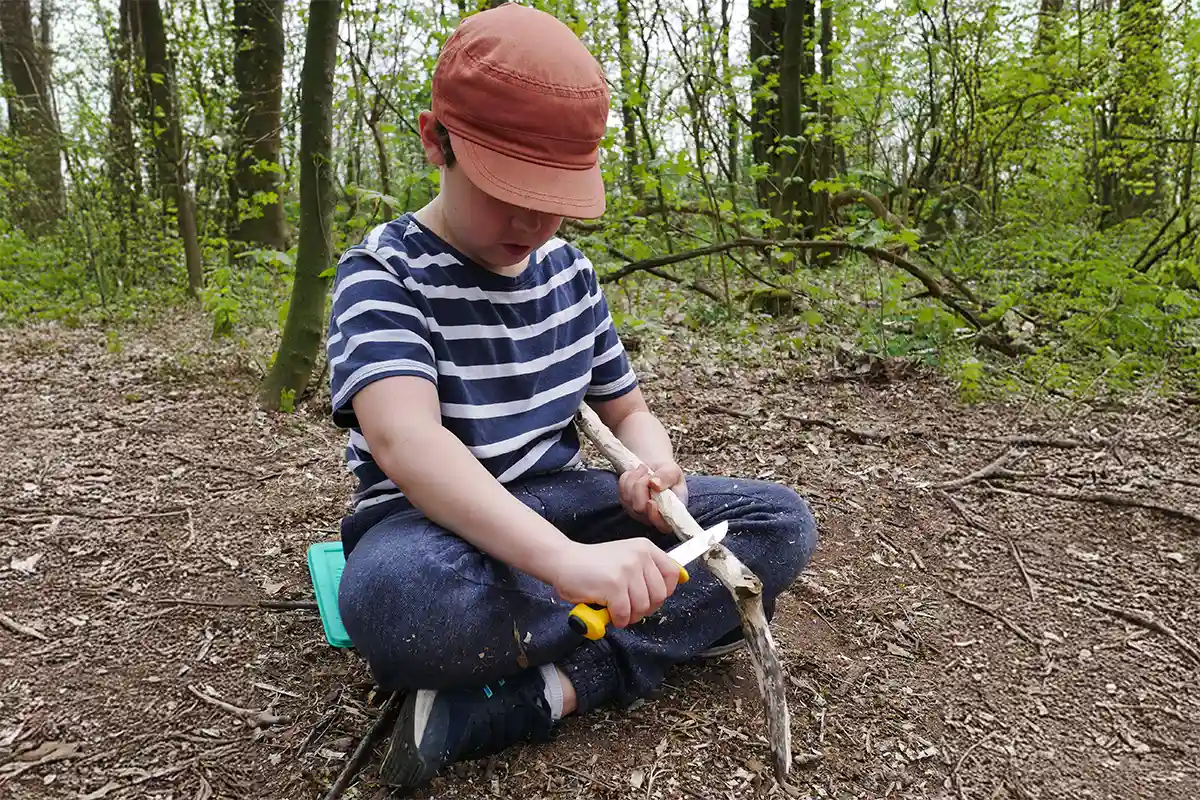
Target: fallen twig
(16,627)
(60,751)
(584,776)
(859,434)
(1021,566)
(53,512)
(958,766)
(983,472)
(257,719)
(386,718)
(1008,623)
(1109,498)
(1150,624)
(733,412)
(270,605)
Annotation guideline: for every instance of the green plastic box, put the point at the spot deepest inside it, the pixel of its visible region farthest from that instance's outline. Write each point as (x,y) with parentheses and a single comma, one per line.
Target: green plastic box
(326,560)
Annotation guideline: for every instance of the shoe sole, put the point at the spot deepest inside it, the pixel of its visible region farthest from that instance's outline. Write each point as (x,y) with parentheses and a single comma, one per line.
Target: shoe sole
(722,650)
(401,766)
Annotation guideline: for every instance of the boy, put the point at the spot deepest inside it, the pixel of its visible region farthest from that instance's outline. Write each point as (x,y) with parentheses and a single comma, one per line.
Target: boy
(462,340)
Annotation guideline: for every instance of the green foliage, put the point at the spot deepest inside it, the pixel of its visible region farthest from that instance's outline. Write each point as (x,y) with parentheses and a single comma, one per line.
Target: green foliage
(287,401)
(1027,162)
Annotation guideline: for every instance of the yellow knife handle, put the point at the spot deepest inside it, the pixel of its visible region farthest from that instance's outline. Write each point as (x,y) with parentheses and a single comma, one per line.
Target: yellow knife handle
(588,620)
(592,621)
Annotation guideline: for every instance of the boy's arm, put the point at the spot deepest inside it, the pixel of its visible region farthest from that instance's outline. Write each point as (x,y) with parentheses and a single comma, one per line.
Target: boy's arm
(631,421)
(401,420)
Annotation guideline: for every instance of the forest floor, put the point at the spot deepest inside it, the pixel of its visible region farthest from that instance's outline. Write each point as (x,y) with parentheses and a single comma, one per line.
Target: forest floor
(1024,634)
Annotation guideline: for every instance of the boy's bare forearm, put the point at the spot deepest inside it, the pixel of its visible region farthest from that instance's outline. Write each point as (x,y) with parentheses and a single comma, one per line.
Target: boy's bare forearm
(642,433)
(441,477)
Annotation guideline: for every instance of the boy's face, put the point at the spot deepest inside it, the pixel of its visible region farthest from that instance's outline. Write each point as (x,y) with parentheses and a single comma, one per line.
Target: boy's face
(493,233)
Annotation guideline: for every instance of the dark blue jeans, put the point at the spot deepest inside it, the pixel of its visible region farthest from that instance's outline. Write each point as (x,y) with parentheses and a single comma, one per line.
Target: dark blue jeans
(430,611)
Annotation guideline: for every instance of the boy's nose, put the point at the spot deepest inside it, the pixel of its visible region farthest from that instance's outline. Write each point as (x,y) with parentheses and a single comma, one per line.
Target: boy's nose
(527,220)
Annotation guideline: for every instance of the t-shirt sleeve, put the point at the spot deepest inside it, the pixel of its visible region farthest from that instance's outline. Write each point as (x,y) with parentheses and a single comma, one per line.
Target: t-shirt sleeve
(377,329)
(612,374)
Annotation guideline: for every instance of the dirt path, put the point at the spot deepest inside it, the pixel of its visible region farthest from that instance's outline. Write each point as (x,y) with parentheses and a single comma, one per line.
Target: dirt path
(980,644)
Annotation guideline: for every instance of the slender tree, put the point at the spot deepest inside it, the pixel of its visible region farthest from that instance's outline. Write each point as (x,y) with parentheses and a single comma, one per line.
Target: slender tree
(766,26)
(258,73)
(124,177)
(163,125)
(39,200)
(1132,160)
(628,91)
(302,330)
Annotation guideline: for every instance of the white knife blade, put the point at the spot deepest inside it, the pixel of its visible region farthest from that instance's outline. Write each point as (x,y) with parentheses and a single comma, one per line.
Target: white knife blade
(697,546)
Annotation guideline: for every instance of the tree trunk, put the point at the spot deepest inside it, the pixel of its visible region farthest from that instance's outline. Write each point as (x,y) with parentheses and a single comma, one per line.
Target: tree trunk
(731,103)
(1132,159)
(258,73)
(766,26)
(381,155)
(1049,26)
(825,155)
(163,124)
(39,200)
(628,122)
(796,165)
(124,177)
(302,330)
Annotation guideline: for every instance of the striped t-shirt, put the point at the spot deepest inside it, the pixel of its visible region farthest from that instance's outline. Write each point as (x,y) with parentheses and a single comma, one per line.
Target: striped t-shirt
(512,357)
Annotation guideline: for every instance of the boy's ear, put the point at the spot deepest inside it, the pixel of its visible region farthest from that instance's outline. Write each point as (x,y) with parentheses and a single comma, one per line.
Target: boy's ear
(427,124)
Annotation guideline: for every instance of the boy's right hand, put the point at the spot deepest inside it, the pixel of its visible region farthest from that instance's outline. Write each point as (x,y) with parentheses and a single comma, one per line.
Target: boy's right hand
(632,577)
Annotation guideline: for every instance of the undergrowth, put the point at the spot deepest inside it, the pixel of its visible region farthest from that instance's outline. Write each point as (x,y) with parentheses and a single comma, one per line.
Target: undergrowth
(1092,323)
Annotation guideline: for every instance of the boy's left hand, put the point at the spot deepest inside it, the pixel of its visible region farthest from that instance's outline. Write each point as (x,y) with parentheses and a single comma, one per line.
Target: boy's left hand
(635,487)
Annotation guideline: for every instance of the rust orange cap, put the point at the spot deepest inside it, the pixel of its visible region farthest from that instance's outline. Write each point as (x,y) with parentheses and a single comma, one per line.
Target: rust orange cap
(526,106)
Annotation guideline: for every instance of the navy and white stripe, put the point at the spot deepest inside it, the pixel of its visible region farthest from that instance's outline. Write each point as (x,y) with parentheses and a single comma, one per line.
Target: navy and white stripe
(512,358)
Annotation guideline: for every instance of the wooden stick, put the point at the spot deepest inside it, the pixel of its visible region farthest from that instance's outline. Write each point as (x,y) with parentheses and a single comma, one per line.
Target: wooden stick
(1150,624)
(745,587)
(16,627)
(1021,566)
(257,719)
(270,605)
(386,718)
(1003,620)
(1122,499)
(983,472)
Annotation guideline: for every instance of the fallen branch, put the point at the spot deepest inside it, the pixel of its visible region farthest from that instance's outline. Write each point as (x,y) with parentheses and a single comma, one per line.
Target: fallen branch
(984,472)
(927,280)
(1109,498)
(744,586)
(1150,624)
(1005,621)
(50,512)
(271,605)
(257,719)
(848,196)
(858,434)
(16,627)
(386,718)
(693,285)
(1016,440)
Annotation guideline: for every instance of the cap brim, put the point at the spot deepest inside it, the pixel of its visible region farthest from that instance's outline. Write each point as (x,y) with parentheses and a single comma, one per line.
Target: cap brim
(574,193)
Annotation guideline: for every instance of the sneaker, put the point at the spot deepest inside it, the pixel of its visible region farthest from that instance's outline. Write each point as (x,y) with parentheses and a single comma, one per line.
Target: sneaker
(729,643)
(436,728)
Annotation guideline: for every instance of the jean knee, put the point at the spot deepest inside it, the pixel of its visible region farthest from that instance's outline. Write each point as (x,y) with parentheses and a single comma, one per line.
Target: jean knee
(379,599)
(792,535)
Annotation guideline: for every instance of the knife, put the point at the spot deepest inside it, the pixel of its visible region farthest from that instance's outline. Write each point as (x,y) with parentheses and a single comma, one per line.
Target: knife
(590,620)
